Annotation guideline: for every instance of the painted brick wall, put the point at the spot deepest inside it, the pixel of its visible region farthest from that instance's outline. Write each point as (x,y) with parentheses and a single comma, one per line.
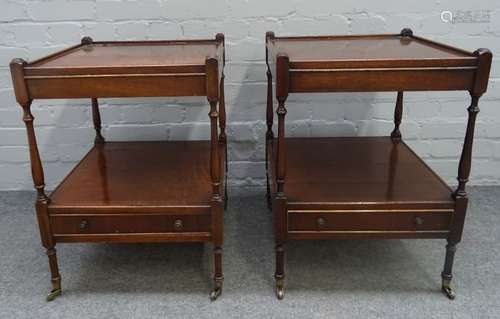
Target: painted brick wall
(433,123)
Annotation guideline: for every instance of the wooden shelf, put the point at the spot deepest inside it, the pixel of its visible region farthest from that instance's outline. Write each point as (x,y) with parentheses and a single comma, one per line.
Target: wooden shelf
(359,172)
(138,176)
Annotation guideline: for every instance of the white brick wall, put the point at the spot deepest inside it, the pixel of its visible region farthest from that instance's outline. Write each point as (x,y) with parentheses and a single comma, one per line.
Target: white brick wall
(433,123)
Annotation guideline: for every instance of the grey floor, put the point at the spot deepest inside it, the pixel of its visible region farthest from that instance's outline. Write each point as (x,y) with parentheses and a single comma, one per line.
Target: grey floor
(325,279)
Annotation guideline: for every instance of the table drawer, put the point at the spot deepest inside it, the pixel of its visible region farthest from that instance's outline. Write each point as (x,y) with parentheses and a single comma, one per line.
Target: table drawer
(128,223)
(369,221)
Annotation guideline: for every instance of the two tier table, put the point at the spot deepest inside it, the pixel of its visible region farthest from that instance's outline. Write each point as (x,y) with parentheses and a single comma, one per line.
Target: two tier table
(157,191)
(365,187)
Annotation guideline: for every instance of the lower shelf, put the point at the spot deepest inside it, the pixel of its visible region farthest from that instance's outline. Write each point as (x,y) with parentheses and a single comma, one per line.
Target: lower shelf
(360,187)
(358,173)
(139,176)
(138,192)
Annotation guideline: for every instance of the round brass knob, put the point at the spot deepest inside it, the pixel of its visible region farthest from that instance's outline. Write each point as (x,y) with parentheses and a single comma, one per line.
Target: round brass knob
(320,222)
(178,225)
(84,224)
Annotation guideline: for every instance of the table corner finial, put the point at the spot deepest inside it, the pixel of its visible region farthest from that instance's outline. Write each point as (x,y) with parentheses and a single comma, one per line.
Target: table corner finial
(87,40)
(406,32)
(219,37)
(18,61)
(482,51)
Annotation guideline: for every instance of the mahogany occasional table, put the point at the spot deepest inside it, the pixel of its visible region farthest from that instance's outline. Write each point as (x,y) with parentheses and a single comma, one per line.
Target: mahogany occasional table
(365,187)
(161,191)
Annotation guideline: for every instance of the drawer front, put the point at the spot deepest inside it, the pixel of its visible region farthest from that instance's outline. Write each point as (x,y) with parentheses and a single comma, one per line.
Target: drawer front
(369,221)
(128,223)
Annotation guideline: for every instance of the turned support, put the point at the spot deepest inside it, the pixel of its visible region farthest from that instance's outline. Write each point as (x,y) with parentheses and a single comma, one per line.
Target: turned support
(396,137)
(464,167)
(212,83)
(398,115)
(269,109)
(36,163)
(213,91)
(96,118)
(479,87)
(222,103)
(222,111)
(282,85)
(214,153)
(461,200)
(269,119)
(222,134)
(42,200)
(279,203)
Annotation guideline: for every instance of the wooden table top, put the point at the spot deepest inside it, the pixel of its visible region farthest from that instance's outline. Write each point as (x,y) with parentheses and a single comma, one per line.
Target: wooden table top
(124,69)
(366,50)
(380,62)
(115,54)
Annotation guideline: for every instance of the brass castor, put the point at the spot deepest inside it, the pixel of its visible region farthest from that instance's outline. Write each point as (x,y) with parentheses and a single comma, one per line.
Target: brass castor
(279,289)
(215,293)
(54,293)
(447,290)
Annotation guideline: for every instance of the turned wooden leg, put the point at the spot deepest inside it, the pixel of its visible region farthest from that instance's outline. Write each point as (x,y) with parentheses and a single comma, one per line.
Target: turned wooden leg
(279,204)
(217,232)
(55,276)
(222,134)
(460,196)
(218,277)
(279,275)
(48,242)
(213,96)
(280,232)
(446,275)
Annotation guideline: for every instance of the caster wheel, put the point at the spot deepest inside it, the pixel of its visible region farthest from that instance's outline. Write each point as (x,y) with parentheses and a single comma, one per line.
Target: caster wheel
(54,294)
(280,293)
(449,292)
(216,292)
